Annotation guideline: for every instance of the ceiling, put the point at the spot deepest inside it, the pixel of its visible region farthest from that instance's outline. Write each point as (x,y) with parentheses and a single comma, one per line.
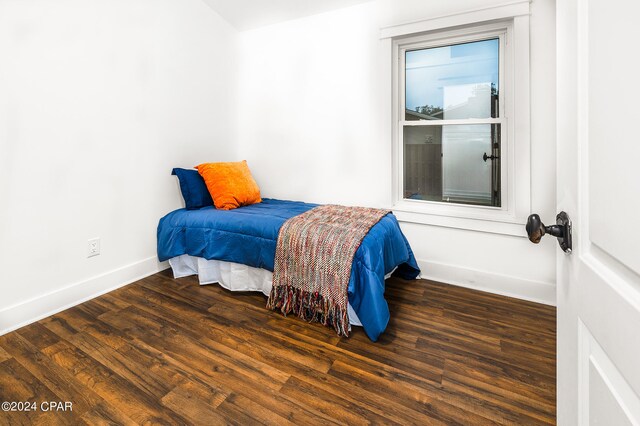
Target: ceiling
(250,14)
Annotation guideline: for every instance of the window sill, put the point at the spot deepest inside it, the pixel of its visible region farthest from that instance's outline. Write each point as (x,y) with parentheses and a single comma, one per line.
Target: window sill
(481,219)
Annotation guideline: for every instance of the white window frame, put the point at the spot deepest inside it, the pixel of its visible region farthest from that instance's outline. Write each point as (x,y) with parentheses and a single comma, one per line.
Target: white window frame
(511,26)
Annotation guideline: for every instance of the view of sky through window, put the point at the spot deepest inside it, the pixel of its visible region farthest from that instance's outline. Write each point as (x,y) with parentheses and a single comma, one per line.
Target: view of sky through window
(453,82)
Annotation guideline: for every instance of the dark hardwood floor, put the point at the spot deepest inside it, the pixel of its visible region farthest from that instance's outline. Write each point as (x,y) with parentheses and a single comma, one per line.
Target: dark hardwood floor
(168,351)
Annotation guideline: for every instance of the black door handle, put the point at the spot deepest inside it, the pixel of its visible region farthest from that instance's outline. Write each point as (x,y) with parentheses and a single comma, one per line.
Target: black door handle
(486,157)
(562,230)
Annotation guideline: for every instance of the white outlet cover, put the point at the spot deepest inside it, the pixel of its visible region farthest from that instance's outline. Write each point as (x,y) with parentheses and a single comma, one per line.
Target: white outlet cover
(93,247)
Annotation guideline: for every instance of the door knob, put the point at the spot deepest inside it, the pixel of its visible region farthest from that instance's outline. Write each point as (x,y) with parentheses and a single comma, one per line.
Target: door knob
(561,230)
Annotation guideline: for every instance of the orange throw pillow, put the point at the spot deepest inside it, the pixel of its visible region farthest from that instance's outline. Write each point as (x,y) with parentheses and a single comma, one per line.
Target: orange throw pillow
(230,184)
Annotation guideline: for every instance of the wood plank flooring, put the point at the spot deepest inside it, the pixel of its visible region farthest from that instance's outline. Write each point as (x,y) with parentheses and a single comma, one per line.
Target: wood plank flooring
(165,351)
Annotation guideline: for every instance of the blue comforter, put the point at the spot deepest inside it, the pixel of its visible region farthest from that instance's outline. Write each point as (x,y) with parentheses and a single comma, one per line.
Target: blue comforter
(248,235)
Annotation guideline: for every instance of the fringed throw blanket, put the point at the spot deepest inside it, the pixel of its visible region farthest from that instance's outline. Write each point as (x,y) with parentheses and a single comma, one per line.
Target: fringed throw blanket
(313,260)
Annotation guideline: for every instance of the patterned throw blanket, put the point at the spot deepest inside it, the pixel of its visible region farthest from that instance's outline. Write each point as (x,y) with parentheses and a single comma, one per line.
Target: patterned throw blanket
(314,254)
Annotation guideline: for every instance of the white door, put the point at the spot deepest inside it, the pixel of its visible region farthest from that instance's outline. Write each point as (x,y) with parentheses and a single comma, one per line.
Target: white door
(598,163)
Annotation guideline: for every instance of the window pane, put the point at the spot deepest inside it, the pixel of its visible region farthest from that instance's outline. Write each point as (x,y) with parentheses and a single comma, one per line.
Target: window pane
(452,82)
(447,163)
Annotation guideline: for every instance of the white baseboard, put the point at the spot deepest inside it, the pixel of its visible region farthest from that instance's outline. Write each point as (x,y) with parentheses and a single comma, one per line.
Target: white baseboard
(35,309)
(40,307)
(505,285)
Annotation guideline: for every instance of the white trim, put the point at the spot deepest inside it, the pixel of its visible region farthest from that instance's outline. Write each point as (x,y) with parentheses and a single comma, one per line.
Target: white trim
(24,313)
(479,225)
(519,96)
(584,349)
(503,11)
(582,128)
(591,353)
(463,121)
(504,285)
(515,126)
(620,278)
(474,218)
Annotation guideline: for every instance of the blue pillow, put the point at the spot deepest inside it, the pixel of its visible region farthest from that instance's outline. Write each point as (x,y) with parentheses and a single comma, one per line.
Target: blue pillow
(194,191)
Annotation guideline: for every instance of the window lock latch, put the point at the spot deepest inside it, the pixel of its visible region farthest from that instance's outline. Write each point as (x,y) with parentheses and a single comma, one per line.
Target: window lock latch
(486,157)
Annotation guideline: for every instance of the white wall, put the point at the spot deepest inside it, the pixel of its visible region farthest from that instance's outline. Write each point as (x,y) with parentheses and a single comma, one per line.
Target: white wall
(99,99)
(314,122)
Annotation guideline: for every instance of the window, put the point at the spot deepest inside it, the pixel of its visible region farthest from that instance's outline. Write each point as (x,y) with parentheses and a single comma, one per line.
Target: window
(461,154)
(452,125)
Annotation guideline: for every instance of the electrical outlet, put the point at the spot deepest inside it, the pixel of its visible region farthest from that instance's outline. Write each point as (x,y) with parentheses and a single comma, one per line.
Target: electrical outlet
(93,247)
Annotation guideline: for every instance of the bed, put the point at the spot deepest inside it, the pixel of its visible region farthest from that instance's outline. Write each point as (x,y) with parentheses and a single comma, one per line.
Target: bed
(237,248)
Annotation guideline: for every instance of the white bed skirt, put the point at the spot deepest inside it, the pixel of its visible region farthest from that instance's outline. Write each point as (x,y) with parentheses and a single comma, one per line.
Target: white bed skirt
(232,276)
